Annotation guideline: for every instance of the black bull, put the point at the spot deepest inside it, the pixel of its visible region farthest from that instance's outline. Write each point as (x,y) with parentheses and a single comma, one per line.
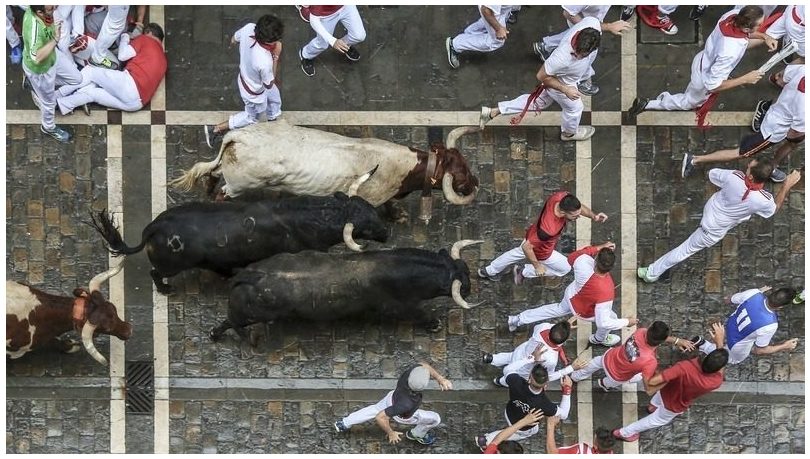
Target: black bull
(317,286)
(223,236)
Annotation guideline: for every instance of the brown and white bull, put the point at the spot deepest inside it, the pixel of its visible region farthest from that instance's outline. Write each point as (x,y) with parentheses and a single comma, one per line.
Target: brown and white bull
(35,319)
(278,156)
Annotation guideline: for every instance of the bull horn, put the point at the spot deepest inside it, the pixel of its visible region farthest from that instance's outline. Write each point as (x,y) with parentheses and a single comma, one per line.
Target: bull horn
(347,238)
(456,291)
(87,340)
(451,195)
(455,251)
(360,180)
(456,133)
(95,283)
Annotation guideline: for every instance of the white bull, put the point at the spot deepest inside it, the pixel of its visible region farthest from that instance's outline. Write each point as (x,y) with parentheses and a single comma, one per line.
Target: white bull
(278,156)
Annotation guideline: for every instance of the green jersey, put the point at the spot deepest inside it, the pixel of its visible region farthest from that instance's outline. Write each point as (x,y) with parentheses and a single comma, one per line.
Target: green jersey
(35,35)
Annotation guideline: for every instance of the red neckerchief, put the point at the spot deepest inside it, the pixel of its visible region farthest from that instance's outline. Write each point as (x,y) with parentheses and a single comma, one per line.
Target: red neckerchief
(574,40)
(703,110)
(751,186)
(796,17)
(546,336)
(268,46)
(801,85)
(728,29)
(47,20)
(532,98)
(775,15)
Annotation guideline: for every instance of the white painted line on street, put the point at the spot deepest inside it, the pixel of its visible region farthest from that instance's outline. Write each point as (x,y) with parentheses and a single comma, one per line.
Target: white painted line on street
(583,192)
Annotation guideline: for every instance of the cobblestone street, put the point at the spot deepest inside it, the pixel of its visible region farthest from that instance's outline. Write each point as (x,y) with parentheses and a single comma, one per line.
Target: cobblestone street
(286,393)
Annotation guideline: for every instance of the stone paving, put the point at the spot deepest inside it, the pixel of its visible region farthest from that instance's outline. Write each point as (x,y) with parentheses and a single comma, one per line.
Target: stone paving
(51,188)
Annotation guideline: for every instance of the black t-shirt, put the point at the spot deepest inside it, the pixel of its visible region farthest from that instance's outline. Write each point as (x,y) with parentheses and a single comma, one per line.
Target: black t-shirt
(522,399)
(405,402)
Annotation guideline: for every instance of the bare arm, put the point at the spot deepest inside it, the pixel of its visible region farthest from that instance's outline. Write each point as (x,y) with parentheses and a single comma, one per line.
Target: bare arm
(489,16)
(47,48)
(529,252)
(383,421)
(551,444)
(531,418)
(586,211)
(443,382)
(749,78)
(788,345)
(792,179)
(655,383)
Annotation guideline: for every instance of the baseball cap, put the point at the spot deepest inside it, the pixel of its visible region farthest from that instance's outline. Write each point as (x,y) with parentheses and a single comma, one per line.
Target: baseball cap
(418,379)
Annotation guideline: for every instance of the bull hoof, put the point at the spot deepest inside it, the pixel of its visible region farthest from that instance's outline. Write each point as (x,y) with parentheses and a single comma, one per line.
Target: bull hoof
(253,337)
(434,326)
(246,352)
(165,289)
(214,335)
(72,345)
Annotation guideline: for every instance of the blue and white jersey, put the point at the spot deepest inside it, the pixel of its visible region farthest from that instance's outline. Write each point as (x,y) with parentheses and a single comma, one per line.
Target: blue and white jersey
(752,322)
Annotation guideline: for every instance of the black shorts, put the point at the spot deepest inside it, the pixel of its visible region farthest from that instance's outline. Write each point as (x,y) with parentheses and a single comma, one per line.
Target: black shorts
(753,144)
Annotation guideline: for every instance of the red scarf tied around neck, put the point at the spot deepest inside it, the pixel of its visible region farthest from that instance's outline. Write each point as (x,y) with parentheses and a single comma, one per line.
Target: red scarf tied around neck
(751,186)
(546,336)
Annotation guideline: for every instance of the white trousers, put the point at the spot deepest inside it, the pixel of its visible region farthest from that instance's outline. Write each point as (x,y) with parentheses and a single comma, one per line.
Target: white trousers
(667,9)
(110,88)
(63,72)
(596,364)
(660,417)
(736,354)
(521,352)
(700,239)
(517,436)
(556,265)
(12,37)
(423,420)
(72,17)
(553,310)
(114,25)
(355,32)
(270,107)
(693,97)
(480,36)
(571,109)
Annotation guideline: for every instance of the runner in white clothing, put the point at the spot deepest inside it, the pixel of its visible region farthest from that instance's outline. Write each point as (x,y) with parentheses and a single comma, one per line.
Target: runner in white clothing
(559,77)
(741,195)
(790,26)
(323,20)
(754,322)
(573,15)
(13,38)
(259,52)
(114,25)
(784,120)
(711,67)
(484,35)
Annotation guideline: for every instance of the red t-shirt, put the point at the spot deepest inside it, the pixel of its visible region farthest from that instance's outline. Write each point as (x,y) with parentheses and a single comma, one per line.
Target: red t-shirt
(323,10)
(634,356)
(581,448)
(685,383)
(549,224)
(491,448)
(148,66)
(596,290)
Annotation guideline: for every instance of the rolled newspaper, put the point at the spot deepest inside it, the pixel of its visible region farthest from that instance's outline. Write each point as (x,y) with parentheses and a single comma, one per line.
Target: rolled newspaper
(776,58)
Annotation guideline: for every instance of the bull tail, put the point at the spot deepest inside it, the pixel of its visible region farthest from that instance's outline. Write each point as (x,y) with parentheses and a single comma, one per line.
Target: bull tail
(106,227)
(188,178)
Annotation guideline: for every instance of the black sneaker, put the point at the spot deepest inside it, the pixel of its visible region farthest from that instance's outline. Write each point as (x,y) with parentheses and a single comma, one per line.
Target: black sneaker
(759,114)
(513,17)
(57,133)
(482,273)
(696,12)
(211,138)
(340,426)
(452,55)
(427,440)
(497,382)
(686,166)
(627,12)
(481,442)
(698,341)
(26,84)
(353,54)
(639,104)
(308,65)
(486,358)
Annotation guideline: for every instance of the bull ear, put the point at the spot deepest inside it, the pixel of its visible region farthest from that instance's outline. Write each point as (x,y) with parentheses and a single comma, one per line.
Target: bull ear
(341,195)
(79,292)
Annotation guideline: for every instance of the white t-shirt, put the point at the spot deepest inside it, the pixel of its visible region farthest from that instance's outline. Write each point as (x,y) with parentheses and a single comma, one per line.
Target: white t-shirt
(562,63)
(791,23)
(722,53)
(726,208)
(255,64)
(788,111)
(762,336)
(593,11)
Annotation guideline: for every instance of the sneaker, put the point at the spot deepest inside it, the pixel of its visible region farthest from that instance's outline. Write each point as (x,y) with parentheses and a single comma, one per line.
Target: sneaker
(618,435)
(427,440)
(666,25)
(517,275)
(587,88)
(86,109)
(307,65)
(642,273)
(513,17)
(16,54)
(26,84)
(340,426)
(698,341)
(303,13)
(513,322)
(651,408)
(35,99)
(57,133)
(482,273)
(777,176)
(541,51)
(799,298)
(609,341)
(759,114)
(353,54)
(639,104)
(627,12)
(484,117)
(686,165)
(601,383)
(481,442)
(105,63)
(583,133)
(452,55)
(486,358)
(497,382)
(696,12)
(211,138)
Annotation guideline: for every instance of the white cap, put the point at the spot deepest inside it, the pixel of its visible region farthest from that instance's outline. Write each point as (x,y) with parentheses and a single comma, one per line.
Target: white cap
(418,379)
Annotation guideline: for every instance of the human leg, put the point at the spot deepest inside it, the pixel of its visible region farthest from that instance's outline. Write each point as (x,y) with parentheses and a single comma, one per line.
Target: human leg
(273,103)
(422,420)
(541,313)
(660,417)
(351,20)
(699,239)
(505,260)
(592,367)
(368,413)
(693,96)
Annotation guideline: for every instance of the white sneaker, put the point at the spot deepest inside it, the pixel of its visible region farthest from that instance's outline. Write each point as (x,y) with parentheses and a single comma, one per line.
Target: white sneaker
(609,341)
(583,133)
(486,115)
(513,322)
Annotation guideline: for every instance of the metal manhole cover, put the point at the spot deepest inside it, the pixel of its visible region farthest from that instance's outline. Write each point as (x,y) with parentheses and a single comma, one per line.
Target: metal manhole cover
(140,388)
